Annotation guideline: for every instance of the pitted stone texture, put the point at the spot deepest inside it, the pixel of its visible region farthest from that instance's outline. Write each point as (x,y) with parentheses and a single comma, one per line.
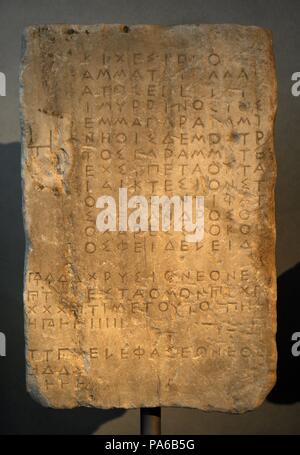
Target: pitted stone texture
(123,319)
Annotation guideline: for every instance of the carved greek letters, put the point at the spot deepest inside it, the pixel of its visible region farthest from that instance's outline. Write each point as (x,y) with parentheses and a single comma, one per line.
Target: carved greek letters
(134,311)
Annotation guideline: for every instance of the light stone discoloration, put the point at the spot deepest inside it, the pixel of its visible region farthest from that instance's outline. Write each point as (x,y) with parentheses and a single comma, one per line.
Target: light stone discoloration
(138,319)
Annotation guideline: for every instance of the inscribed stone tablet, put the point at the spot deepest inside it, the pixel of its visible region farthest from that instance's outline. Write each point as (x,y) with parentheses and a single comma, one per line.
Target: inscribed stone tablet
(118,312)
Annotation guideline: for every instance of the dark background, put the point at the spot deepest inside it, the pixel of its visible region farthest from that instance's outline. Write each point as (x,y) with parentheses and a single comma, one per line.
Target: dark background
(280,414)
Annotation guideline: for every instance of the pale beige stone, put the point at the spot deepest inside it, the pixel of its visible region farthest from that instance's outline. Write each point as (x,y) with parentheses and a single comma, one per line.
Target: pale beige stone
(138,319)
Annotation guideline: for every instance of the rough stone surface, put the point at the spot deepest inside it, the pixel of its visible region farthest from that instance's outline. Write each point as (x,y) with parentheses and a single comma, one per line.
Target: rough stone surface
(124,319)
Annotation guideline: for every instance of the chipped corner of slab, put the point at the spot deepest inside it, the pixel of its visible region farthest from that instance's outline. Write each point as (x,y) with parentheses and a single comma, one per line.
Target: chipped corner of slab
(116,320)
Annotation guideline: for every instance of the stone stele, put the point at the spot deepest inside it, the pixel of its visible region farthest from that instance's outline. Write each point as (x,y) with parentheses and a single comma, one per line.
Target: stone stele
(146,318)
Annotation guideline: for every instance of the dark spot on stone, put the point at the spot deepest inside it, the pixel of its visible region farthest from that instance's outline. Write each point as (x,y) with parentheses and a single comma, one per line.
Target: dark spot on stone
(243,106)
(71,31)
(126,29)
(87,32)
(235,137)
(55,191)
(50,55)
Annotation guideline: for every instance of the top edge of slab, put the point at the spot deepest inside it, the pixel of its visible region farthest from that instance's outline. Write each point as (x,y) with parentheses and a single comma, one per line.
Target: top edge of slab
(127,28)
